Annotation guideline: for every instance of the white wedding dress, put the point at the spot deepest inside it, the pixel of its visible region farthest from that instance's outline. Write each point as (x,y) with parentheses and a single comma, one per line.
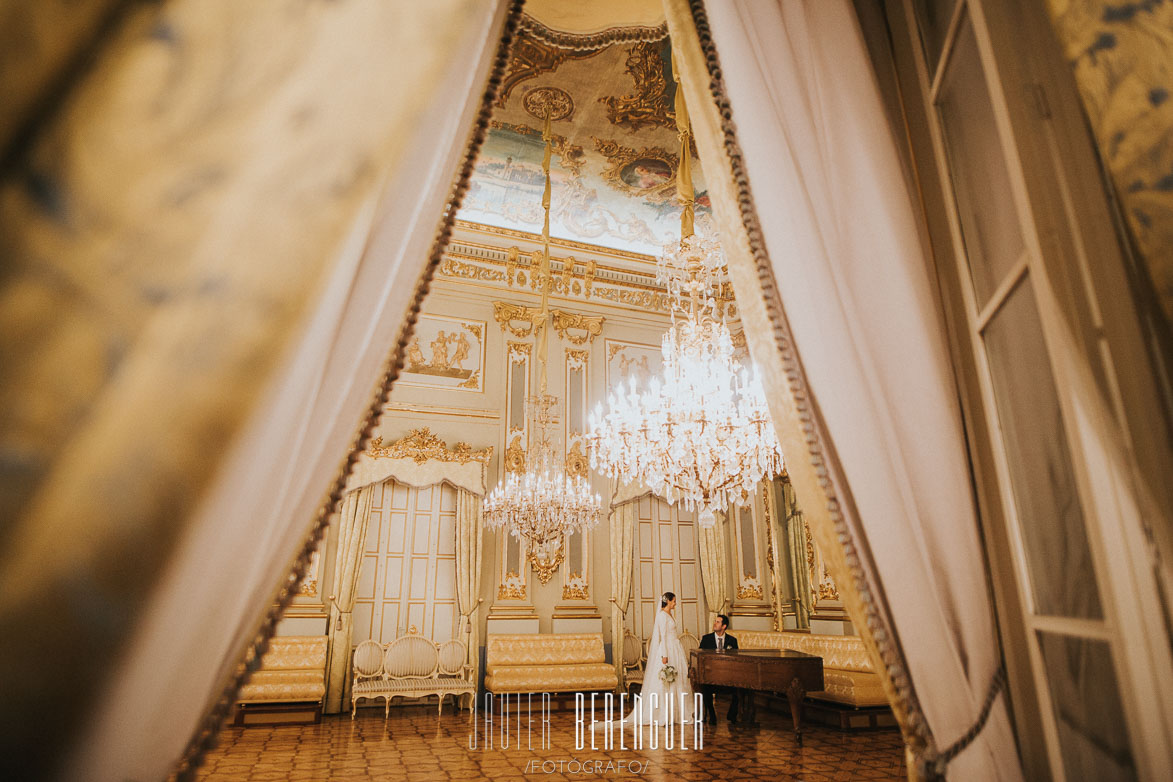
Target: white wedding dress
(665,642)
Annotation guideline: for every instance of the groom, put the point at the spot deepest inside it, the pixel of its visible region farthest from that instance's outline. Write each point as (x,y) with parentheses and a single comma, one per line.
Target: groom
(719,640)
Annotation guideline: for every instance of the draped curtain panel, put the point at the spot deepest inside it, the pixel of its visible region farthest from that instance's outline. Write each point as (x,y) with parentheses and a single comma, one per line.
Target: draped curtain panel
(715,565)
(778,543)
(469,541)
(794,526)
(352,533)
(861,334)
(469,480)
(621,528)
(293,219)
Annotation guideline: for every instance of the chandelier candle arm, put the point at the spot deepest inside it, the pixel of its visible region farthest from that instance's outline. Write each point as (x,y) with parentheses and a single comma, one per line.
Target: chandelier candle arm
(701,434)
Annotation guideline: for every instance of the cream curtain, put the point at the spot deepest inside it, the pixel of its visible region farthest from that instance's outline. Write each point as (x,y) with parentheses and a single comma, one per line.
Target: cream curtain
(621,528)
(352,533)
(844,261)
(469,480)
(411,76)
(794,526)
(469,542)
(715,565)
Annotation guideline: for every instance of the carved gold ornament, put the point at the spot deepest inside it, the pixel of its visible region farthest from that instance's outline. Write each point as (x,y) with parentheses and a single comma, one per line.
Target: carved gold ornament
(556,100)
(649,103)
(421,445)
(515,455)
(519,352)
(517,319)
(545,568)
(577,358)
(565,322)
(749,588)
(575,588)
(576,462)
(648,173)
(511,588)
(531,57)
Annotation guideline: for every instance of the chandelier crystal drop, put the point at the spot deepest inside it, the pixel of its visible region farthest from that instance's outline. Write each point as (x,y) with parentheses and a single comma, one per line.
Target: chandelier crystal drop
(700,435)
(544,504)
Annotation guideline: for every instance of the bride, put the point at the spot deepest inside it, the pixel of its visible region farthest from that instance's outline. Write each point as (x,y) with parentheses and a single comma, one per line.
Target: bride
(664,650)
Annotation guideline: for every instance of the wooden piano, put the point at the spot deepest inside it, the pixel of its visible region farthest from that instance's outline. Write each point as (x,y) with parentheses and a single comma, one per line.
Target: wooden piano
(759,670)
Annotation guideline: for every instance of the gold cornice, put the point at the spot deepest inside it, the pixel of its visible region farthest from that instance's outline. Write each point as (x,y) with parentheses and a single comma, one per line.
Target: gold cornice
(506,314)
(421,445)
(564,322)
(554,242)
(457,412)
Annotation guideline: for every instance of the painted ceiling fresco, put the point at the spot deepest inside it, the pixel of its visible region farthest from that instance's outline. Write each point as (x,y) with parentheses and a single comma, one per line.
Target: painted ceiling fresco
(615,146)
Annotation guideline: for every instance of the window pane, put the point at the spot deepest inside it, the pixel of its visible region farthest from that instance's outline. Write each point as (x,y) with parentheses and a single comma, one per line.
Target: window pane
(934,16)
(749,561)
(1093,735)
(1051,521)
(989,222)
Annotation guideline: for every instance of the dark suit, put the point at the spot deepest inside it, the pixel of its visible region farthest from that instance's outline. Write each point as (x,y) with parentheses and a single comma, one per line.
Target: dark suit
(709,641)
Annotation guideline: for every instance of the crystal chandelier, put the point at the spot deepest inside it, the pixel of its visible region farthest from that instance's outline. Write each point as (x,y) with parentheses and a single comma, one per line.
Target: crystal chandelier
(701,434)
(544,504)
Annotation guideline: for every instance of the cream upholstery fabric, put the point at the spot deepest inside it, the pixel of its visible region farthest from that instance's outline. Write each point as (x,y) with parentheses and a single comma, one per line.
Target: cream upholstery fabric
(838,651)
(548,663)
(294,669)
(411,666)
(848,674)
(551,678)
(550,649)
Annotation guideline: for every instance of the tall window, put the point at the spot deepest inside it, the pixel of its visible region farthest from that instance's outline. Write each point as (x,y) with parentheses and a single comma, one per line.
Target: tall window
(408,575)
(1024,232)
(666,544)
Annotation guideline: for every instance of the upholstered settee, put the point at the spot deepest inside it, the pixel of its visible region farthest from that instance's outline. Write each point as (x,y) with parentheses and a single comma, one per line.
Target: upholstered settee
(848,675)
(563,662)
(289,685)
(411,666)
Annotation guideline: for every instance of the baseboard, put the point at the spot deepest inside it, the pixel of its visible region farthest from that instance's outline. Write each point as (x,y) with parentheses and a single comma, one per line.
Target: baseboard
(248,714)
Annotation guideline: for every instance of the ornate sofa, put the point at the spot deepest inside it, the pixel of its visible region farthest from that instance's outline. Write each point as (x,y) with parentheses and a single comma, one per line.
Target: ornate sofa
(411,666)
(289,685)
(564,662)
(848,675)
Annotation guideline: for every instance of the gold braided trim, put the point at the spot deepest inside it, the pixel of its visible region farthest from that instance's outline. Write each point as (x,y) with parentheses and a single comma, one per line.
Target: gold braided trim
(856,553)
(249,657)
(587,41)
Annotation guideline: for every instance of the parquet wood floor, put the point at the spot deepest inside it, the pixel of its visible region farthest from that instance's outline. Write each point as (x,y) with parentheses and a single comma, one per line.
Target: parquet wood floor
(415,744)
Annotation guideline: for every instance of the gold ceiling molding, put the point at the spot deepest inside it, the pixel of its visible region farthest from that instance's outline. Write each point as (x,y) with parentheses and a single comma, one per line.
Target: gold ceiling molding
(532,56)
(509,316)
(567,322)
(650,103)
(532,28)
(458,412)
(568,244)
(421,445)
(648,173)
